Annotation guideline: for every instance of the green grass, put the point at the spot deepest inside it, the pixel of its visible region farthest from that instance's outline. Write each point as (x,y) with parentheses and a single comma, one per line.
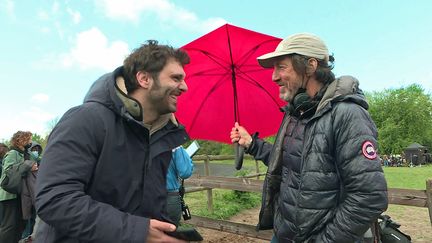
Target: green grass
(407,177)
(226,203)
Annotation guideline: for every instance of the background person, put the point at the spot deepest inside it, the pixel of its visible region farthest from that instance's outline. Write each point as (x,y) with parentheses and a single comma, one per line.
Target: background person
(28,195)
(324,181)
(3,150)
(103,175)
(13,223)
(181,167)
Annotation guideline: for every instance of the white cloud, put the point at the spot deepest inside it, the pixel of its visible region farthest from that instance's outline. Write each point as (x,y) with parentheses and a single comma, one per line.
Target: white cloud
(44,29)
(37,114)
(8,7)
(59,29)
(34,120)
(40,98)
(164,10)
(43,15)
(93,50)
(55,8)
(76,16)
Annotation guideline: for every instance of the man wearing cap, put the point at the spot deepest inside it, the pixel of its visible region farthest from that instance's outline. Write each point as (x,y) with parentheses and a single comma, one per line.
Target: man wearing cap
(324,181)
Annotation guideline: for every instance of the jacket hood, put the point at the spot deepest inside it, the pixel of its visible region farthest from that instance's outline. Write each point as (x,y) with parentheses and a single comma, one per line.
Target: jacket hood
(103,91)
(34,144)
(110,91)
(344,88)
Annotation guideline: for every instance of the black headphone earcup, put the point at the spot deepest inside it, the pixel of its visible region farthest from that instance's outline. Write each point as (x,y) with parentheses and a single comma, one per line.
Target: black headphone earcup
(301,100)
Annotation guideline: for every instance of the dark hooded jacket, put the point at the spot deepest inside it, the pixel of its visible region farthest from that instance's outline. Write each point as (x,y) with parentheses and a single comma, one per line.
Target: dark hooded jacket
(332,187)
(103,173)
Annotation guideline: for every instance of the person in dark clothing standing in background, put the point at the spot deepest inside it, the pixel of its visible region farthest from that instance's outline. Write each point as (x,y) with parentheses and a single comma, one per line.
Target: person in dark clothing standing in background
(103,175)
(3,150)
(324,181)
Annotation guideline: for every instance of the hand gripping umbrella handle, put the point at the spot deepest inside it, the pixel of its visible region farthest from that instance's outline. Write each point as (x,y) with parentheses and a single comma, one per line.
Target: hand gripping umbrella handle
(239,153)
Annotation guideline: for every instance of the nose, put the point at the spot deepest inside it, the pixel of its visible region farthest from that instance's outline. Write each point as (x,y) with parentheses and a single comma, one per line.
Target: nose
(275,75)
(183,86)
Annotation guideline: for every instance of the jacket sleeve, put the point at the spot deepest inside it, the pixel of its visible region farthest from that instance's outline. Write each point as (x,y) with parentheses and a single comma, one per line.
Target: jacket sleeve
(183,163)
(11,158)
(61,200)
(364,188)
(260,149)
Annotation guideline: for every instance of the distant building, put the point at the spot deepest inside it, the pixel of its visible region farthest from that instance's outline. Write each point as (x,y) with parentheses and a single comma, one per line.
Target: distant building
(416,154)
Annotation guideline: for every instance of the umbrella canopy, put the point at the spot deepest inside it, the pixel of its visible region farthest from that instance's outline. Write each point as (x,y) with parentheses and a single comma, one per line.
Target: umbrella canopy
(226,84)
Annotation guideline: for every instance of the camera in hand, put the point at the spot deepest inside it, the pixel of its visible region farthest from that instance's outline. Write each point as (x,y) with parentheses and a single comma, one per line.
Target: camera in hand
(185,212)
(186,233)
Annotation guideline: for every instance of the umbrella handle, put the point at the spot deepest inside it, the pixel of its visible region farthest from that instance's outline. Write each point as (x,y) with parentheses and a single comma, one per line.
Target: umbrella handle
(239,153)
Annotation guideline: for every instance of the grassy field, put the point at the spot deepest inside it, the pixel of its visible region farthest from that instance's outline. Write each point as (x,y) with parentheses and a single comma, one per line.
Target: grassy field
(407,177)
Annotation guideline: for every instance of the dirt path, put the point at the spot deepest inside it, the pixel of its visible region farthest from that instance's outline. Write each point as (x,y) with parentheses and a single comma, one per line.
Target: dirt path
(414,221)
(246,217)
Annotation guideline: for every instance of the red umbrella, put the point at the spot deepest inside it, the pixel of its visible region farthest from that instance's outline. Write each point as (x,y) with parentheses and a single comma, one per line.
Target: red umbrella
(226,84)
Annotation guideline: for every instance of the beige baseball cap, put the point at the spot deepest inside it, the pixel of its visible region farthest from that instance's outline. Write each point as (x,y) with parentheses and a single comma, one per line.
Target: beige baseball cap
(303,43)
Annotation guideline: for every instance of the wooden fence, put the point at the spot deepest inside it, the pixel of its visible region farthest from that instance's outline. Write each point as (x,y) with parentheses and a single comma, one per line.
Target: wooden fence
(408,197)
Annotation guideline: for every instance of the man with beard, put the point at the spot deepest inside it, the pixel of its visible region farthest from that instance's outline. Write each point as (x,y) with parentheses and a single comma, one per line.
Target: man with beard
(104,170)
(324,181)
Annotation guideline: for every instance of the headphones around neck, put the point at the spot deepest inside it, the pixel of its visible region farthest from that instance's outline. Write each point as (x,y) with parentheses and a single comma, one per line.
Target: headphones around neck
(301,103)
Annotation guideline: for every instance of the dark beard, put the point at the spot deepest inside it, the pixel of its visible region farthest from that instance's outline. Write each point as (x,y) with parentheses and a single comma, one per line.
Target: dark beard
(158,97)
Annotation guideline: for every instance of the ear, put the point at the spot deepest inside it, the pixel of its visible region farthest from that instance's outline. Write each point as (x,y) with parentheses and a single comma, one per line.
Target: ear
(143,79)
(312,66)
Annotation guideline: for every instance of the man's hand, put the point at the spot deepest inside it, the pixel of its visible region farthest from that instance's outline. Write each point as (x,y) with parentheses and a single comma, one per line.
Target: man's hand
(156,232)
(240,134)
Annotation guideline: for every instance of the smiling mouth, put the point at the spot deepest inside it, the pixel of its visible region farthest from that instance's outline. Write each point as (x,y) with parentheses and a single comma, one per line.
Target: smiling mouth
(174,97)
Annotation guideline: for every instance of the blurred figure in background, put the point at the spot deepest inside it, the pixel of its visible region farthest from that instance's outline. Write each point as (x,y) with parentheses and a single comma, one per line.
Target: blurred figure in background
(180,168)
(13,224)
(3,150)
(28,195)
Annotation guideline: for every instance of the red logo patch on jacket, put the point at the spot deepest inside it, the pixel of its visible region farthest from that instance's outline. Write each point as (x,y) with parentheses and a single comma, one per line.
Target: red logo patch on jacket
(369,150)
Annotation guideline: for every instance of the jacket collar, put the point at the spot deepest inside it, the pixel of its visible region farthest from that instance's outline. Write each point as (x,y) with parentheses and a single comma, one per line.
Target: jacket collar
(342,86)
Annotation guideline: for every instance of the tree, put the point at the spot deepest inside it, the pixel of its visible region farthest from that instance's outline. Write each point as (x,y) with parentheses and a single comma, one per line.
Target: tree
(402,116)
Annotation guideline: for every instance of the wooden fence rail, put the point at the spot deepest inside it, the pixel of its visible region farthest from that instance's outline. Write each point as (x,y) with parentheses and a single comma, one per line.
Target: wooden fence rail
(408,197)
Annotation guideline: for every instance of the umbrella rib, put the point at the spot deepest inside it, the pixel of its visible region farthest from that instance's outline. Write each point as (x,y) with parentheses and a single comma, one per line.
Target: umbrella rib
(248,54)
(253,81)
(215,86)
(219,61)
(233,79)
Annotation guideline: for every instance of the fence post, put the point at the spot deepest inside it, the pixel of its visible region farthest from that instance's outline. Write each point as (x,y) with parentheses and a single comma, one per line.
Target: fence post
(209,191)
(257,168)
(429,198)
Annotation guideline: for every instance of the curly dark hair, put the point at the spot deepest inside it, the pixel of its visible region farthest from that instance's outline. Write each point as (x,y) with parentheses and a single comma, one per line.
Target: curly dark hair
(20,139)
(150,57)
